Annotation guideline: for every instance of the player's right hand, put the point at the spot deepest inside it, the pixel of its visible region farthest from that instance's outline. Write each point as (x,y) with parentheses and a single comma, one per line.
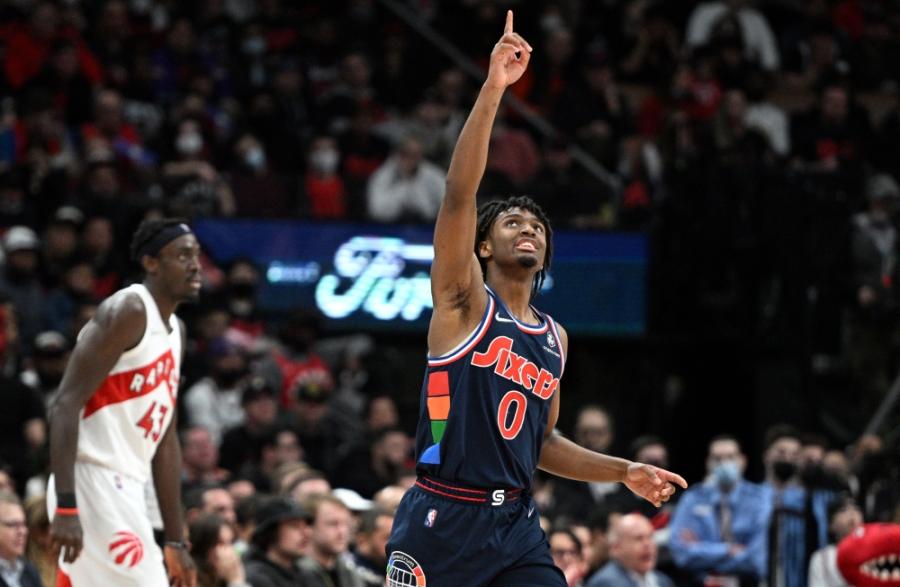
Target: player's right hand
(66,538)
(509,59)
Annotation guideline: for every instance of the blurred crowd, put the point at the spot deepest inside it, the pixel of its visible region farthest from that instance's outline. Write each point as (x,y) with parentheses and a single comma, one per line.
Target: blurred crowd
(755,142)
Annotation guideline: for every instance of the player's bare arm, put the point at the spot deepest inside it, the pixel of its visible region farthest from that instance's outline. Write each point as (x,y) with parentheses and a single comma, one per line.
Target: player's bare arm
(166,470)
(564,458)
(166,481)
(118,326)
(457,286)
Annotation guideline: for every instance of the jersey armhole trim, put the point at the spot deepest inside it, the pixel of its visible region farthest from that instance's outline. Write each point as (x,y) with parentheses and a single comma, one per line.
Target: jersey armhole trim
(562,352)
(473,339)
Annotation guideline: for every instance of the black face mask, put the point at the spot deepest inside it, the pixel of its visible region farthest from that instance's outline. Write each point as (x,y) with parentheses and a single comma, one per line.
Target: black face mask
(783,470)
(228,377)
(813,475)
(242,290)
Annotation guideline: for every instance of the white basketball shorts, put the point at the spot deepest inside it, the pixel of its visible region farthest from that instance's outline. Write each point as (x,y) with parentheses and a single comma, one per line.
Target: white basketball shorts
(119,549)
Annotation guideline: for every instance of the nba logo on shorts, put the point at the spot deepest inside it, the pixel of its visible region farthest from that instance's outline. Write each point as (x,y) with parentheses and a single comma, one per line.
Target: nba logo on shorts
(430,517)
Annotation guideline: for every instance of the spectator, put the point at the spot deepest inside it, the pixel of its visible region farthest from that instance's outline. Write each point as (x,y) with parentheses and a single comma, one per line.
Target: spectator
(28,46)
(306,485)
(787,550)
(874,242)
(207,500)
(512,154)
(711,20)
(653,451)
(19,281)
(369,558)
(598,521)
(326,563)
(23,424)
(844,516)
(258,190)
(39,550)
(279,540)
(242,283)
(110,133)
(566,550)
(633,555)
(381,413)
(196,186)
(212,548)
(242,445)
(407,187)
(200,458)
(593,430)
(371,467)
(720,528)
(363,153)
(324,193)
(15,569)
(214,402)
(78,285)
(51,353)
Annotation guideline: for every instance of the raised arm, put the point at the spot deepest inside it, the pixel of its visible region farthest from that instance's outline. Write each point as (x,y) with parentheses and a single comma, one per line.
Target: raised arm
(118,326)
(456,281)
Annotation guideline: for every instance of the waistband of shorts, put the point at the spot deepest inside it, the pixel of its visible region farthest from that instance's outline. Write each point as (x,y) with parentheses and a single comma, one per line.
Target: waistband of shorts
(466,494)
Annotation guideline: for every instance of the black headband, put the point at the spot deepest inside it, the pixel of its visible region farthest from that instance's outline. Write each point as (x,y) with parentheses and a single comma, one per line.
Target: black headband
(161,239)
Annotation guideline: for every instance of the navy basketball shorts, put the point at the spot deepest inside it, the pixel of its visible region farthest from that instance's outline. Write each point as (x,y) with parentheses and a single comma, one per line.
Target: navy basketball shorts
(445,535)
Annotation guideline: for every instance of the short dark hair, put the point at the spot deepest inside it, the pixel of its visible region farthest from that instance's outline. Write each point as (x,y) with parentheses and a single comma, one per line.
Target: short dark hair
(642,442)
(723,438)
(147,230)
(778,431)
(368,520)
(489,211)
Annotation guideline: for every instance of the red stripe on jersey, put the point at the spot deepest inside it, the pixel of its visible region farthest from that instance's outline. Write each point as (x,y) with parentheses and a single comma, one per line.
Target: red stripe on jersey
(127,385)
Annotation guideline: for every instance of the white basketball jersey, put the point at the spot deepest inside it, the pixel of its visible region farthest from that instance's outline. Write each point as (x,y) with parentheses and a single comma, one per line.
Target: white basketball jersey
(122,423)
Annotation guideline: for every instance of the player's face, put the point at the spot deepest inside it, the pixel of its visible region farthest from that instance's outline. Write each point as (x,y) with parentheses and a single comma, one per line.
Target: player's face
(179,268)
(520,236)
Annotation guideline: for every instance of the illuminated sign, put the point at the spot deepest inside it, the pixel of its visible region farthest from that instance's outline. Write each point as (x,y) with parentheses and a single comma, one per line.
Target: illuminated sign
(377,276)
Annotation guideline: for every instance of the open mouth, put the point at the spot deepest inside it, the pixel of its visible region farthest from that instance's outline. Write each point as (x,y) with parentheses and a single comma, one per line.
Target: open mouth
(884,568)
(526,246)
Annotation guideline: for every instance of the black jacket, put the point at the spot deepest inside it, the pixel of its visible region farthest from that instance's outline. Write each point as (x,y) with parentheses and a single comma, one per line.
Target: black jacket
(261,572)
(30,577)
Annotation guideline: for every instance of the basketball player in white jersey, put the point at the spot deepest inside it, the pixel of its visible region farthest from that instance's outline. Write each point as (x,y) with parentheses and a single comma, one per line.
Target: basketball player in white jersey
(112,426)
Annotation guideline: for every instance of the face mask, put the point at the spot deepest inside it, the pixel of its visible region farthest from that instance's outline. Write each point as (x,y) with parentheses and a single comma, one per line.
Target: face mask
(228,377)
(242,290)
(255,158)
(189,143)
(325,161)
(783,470)
(254,46)
(726,474)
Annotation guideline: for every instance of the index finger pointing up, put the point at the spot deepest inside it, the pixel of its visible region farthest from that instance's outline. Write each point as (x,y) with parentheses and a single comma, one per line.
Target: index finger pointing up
(509,22)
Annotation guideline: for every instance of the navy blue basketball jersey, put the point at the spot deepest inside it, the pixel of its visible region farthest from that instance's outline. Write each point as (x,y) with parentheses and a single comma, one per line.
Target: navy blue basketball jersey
(485,404)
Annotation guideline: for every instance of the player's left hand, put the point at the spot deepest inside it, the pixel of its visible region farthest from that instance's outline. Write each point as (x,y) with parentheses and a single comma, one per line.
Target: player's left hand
(652,483)
(180,566)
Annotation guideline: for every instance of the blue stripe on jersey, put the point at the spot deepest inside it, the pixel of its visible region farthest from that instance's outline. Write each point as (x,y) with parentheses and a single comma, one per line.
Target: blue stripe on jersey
(485,405)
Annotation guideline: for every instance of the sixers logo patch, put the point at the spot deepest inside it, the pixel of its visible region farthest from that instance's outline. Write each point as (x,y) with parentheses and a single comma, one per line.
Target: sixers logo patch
(404,571)
(126,549)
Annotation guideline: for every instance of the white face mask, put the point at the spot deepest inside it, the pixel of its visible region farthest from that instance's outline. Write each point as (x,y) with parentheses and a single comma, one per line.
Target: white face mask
(255,158)
(189,143)
(325,160)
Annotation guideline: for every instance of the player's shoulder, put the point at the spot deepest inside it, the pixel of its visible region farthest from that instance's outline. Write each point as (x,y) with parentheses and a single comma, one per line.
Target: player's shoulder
(123,308)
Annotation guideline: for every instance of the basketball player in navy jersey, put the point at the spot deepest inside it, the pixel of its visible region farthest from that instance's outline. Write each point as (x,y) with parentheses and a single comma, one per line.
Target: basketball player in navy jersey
(490,399)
